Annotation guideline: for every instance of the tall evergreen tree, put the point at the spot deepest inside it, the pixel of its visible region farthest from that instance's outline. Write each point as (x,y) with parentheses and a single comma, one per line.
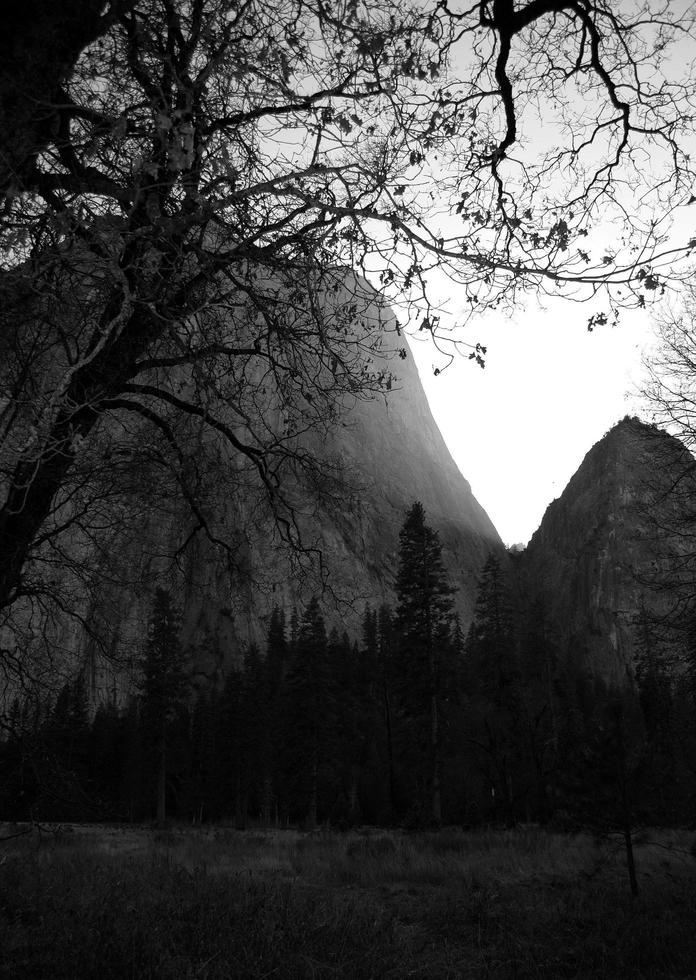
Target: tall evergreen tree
(164,687)
(277,656)
(201,789)
(18,770)
(256,734)
(308,715)
(424,621)
(63,785)
(106,750)
(351,709)
(493,686)
(385,680)
(229,798)
(132,789)
(276,650)
(538,697)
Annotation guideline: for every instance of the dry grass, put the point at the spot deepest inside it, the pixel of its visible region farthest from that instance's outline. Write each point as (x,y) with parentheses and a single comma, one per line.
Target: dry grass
(218,903)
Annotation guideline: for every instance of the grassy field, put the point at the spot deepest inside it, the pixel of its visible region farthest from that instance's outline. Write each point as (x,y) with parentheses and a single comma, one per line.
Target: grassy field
(126,902)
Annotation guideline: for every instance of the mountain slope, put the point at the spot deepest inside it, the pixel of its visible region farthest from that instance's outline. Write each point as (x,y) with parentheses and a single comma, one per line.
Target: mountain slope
(388,451)
(612,544)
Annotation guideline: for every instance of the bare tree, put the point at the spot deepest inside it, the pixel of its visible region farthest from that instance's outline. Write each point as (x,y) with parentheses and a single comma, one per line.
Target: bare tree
(669,398)
(187,184)
(670,370)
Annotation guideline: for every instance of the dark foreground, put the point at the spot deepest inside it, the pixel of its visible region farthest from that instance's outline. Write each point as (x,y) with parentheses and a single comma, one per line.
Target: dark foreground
(129,903)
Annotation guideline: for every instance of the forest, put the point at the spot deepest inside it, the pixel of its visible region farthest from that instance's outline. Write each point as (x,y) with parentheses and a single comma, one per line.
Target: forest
(413,724)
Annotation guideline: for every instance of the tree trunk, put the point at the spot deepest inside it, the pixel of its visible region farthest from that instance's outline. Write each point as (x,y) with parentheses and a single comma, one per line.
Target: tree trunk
(628,841)
(267,804)
(353,808)
(390,751)
(313,795)
(162,778)
(435,749)
(627,830)
(37,479)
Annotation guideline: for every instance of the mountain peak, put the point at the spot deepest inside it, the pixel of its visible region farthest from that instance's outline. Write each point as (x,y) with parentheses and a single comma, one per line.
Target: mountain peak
(599,552)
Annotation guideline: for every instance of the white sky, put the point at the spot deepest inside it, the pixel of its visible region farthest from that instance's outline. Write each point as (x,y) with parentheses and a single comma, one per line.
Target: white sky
(520,428)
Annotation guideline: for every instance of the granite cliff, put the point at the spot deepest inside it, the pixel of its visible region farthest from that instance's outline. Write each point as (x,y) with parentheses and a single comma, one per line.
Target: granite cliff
(612,544)
(388,450)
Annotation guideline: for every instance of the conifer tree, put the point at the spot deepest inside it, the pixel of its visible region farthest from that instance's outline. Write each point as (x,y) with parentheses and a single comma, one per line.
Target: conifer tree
(668,704)
(256,734)
(65,765)
(229,748)
(652,675)
(164,687)
(18,774)
(277,656)
(308,714)
(370,636)
(608,772)
(203,756)
(106,751)
(276,650)
(493,687)
(351,711)
(385,674)
(132,788)
(424,621)
(539,694)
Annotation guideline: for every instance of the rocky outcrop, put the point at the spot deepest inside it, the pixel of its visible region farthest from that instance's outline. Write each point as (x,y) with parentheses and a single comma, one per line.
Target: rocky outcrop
(614,543)
(380,455)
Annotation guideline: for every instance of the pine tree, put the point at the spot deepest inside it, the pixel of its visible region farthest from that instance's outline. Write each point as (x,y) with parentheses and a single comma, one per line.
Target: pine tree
(538,693)
(164,687)
(106,750)
(667,701)
(277,656)
(385,674)
(132,787)
(276,648)
(308,715)
(493,687)
(370,637)
(66,733)
(351,710)
(69,726)
(607,774)
(203,756)
(18,771)
(423,621)
(229,797)
(256,734)
(492,630)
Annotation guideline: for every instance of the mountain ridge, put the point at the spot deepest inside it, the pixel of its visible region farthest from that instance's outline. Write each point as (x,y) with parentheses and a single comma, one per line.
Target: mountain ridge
(604,548)
(392,453)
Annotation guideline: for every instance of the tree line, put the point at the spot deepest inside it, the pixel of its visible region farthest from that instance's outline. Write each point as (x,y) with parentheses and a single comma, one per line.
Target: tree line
(414,724)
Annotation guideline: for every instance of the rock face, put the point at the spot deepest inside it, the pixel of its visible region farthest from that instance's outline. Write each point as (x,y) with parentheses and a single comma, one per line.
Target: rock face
(391,452)
(396,452)
(611,545)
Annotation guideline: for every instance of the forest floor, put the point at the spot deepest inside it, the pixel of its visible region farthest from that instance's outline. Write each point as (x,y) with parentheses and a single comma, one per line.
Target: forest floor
(128,902)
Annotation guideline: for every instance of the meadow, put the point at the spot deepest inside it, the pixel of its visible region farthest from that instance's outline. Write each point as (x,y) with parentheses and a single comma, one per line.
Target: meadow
(127,902)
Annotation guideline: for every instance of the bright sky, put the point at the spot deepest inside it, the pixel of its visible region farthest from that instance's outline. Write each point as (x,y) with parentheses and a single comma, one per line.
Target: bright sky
(520,428)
